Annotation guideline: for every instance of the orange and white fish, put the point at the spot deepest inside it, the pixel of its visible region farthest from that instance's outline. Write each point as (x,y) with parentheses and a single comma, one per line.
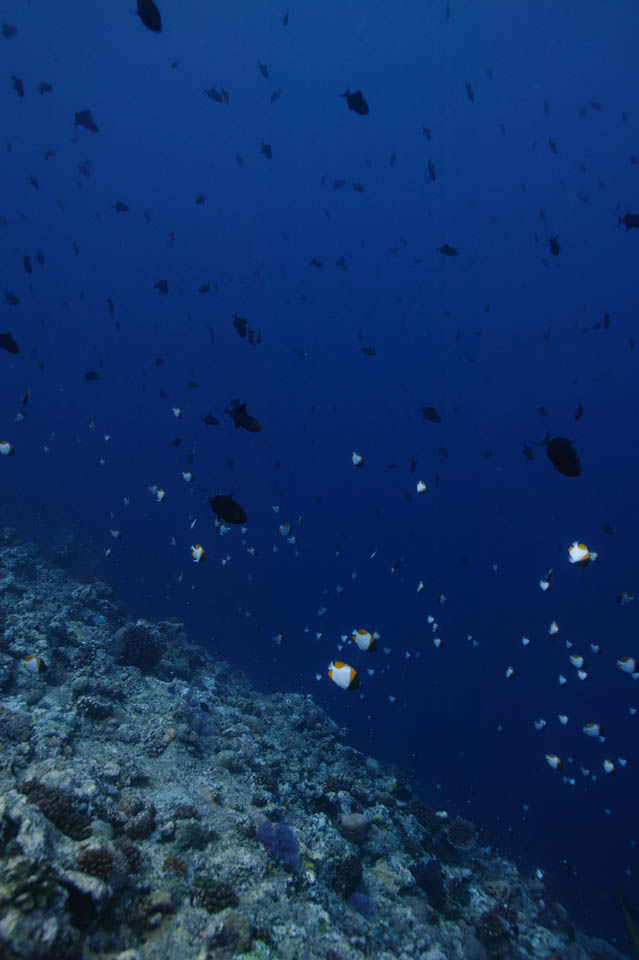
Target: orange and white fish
(198,553)
(343,675)
(365,640)
(34,664)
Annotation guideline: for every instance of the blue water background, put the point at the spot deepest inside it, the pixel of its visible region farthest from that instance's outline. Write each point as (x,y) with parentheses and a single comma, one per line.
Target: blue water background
(486,337)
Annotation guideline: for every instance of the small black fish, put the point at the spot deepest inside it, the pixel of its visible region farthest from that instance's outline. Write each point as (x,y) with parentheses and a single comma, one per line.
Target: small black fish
(240,324)
(8,30)
(192,384)
(40,258)
(25,397)
(393,159)
(149,15)
(447,250)
(356,102)
(275,95)
(555,249)
(553,146)
(11,298)
(263,70)
(45,87)
(315,263)
(469,91)
(227,509)
(17,85)
(338,184)
(432,173)
(27,265)
(177,442)
(241,418)
(210,421)
(527,452)
(426,132)
(629,221)
(579,412)
(204,288)
(83,118)
(35,183)
(369,351)
(285,19)
(265,148)
(110,306)
(162,286)
(120,207)
(91,375)
(430,413)
(8,343)
(200,199)
(49,154)
(213,94)
(358,187)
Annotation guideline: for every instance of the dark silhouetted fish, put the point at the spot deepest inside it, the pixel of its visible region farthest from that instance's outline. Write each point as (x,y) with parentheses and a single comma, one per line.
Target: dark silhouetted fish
(276,95)
(120,207)
(210,420)
(430,413)
(469,91)
(91,375)
(162,286)
(40,258)
(26,261)
(432,173)
(149,15)
(214,94)
(11,298)
(240,324)
(8,30)
(204,288)
(447,250)
(562,455)
(555,249)
(369,351)
(226,508)
(553,146)
(35,183)
(263,70)
(315,263)
(393,159)
(356,102)
(358,187)
(17,85)
(45,87)
(527,452)
(629,221)
(241,418)
(265,148)
(285,19)
(8,343)
(200,199)
(83,118)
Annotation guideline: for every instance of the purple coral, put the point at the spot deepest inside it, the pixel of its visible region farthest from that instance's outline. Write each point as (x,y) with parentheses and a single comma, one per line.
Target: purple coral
(281,843)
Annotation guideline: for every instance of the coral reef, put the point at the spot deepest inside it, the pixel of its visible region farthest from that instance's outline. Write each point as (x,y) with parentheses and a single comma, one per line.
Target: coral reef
(154,805)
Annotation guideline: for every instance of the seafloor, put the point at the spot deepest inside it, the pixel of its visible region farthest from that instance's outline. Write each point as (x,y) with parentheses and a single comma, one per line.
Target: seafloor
(153,804)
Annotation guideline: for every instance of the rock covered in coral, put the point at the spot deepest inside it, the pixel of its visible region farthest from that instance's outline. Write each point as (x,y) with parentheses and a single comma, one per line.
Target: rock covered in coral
(160,807)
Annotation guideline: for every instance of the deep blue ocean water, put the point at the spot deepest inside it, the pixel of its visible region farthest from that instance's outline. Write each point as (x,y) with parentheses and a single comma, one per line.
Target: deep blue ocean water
(548,146)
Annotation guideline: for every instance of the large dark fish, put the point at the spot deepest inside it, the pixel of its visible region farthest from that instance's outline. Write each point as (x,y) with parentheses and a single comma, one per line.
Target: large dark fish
(241,418)
(225,507)
(8,343)
(447,250)
(562,455)
(432,414)
(149,15)
(83,118)
(629,221)
(356,102)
